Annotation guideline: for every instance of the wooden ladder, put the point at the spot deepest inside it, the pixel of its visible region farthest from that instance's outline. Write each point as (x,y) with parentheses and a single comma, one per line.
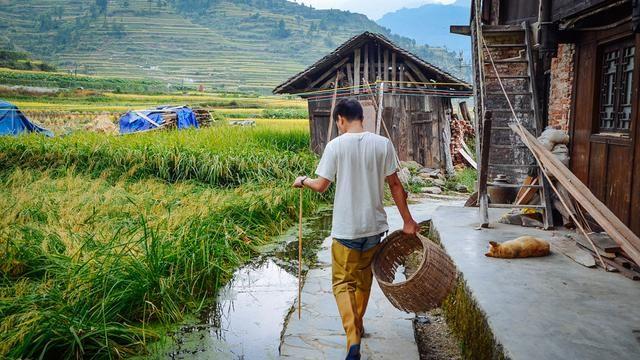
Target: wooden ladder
(502,151)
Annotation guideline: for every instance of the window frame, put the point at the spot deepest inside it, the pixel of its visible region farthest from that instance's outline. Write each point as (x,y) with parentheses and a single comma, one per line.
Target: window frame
(620,45)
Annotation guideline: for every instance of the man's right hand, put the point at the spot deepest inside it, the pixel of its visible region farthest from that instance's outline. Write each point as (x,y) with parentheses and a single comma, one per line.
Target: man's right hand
(411,227)
(298,182)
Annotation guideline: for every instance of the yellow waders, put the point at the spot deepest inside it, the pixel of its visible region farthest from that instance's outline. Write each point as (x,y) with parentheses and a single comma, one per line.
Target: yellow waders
(351,277)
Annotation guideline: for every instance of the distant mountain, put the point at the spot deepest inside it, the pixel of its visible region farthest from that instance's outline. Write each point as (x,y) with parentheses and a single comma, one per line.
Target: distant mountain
(238,45)
(429,24)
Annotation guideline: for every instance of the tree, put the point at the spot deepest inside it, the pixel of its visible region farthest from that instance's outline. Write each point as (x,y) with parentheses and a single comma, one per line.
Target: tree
(281,31)
(45,22)
(125,4)
(58,11)
(102,6)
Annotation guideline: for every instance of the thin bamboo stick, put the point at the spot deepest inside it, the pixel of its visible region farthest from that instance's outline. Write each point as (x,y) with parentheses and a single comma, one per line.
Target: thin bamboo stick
(300,257)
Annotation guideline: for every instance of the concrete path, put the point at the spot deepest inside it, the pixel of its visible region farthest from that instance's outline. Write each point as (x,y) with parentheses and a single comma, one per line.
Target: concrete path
(319,334)
(542,308)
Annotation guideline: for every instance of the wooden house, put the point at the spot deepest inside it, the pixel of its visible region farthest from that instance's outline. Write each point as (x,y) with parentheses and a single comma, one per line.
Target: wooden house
(412,96)
(570,64)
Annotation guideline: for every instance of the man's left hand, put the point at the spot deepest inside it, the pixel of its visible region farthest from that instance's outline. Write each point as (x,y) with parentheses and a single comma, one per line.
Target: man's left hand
(411,227)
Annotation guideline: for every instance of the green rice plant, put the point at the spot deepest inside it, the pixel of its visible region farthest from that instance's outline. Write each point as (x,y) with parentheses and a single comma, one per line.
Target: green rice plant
(91,266)
(219,156)
(289,113)
(106,239)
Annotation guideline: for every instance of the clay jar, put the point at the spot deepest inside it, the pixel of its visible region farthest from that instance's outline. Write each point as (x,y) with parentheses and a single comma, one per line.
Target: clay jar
(499,194)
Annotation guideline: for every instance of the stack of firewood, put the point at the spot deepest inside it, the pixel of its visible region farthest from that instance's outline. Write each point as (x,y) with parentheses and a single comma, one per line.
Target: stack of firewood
(203,117)
(460,131)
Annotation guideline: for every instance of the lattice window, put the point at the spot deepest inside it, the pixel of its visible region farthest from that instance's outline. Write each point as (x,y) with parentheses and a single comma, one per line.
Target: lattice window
(616,82)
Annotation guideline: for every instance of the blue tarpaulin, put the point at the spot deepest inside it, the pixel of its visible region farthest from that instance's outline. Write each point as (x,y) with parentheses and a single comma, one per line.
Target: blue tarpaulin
(135,121)
(14,122)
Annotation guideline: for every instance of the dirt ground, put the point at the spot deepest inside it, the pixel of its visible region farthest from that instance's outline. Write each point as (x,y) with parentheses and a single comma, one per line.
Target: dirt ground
(435,340)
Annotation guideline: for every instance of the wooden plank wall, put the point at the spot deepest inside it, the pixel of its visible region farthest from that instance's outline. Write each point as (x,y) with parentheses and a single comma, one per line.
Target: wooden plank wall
(415,125)
(369,63)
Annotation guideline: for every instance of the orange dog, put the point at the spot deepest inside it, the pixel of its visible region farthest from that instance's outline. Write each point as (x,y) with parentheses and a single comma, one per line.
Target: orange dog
(522,247)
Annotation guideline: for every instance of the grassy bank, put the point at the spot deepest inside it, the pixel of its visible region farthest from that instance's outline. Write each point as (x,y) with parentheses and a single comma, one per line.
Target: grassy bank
(104,238)
(64,80)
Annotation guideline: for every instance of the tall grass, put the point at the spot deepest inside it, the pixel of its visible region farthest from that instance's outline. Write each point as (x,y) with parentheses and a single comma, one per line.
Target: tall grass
(102,238)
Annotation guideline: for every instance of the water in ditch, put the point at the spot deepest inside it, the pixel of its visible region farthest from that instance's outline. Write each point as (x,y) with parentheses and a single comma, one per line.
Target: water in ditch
(248,316)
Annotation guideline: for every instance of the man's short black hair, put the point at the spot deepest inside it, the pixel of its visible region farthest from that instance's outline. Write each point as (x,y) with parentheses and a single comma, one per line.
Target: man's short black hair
(350,109)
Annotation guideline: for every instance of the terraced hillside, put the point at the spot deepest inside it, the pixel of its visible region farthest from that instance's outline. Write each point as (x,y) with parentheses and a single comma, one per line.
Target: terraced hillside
(242,45)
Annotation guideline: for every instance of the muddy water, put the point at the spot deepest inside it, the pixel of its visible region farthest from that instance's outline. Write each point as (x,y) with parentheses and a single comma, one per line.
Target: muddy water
(249,314)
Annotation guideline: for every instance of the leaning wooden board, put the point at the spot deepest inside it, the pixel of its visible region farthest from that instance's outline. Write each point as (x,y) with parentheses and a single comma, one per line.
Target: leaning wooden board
(616,229)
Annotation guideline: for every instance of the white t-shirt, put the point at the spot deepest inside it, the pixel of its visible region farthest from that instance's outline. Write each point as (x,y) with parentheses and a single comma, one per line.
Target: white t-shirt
(358,164)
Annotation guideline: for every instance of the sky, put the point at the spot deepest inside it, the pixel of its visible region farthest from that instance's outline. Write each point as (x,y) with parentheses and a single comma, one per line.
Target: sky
(374,9)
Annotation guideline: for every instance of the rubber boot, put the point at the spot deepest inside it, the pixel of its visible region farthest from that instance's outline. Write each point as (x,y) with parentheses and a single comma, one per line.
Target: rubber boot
(351,320)
(362,299)
(354,352)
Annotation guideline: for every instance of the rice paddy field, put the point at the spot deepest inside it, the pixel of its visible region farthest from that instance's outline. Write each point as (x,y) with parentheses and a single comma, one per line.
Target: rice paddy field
(67,110)
(107,240)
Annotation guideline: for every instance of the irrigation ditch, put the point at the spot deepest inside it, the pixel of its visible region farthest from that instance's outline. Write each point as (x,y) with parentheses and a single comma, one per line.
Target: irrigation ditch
(249,313)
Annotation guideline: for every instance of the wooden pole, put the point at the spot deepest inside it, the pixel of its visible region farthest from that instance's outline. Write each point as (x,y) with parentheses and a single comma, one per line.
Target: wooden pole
(365,72)
(356,72)
(483,198)
(394,69)
(380,107)
(464,111)
(333,107)
(300,257)
(385,73)
(379,77)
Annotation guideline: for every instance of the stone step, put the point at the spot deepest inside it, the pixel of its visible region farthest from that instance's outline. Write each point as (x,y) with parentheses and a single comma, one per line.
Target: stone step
(506,128)
(514,93)
(514,185)
(517,85)
(493,76)
(527,110)
(507,46)
(513,206)
(517,68)
(519,102)
(507,61)
(506,146)
(496,29)
(504,53)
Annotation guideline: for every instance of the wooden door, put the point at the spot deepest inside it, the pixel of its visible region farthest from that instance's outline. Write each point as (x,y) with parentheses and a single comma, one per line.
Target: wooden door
(369,112)
(319,127)
(424,134)
(605,153)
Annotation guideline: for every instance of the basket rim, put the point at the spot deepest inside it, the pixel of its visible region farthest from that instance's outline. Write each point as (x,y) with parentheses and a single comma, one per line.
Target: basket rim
(424,258)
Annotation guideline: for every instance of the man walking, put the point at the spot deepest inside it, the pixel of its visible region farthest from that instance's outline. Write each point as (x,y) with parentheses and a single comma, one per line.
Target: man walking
(358,162)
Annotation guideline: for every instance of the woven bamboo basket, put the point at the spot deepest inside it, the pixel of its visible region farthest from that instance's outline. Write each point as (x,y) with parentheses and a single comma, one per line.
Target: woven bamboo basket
(428,286)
